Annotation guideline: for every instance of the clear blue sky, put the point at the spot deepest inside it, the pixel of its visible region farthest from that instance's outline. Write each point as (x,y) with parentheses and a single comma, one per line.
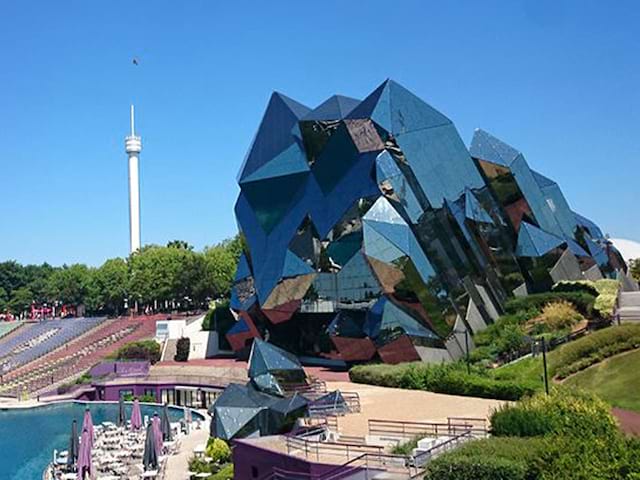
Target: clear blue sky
(558,80)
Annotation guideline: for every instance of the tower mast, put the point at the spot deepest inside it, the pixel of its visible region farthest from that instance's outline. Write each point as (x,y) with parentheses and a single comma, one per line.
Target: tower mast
(133,147)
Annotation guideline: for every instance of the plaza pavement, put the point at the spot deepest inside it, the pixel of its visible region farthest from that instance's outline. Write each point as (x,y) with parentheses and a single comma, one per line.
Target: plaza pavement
(383,403)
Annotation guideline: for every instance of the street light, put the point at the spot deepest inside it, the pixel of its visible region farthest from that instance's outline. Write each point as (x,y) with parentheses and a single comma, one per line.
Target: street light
(466,347)
(543,342)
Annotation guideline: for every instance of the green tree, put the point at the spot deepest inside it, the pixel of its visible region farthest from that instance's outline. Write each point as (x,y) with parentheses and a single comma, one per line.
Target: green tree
(20,301)
(4,299)
(70,285)
(220,267)
(111,282)
(11,276)
(36,278)
(179,244)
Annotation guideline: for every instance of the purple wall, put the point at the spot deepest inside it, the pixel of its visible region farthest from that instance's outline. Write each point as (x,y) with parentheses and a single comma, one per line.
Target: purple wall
(122,369)
(253,462)
(112,392)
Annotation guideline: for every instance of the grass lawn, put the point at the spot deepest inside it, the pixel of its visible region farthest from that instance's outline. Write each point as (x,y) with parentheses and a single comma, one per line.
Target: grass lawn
(527,370)
(616,380)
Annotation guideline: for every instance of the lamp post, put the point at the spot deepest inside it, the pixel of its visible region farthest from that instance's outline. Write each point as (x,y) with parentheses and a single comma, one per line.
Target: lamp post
(544,364)
(466,347)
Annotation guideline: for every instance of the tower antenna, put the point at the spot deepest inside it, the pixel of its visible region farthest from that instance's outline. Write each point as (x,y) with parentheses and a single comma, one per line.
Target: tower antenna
(133,122)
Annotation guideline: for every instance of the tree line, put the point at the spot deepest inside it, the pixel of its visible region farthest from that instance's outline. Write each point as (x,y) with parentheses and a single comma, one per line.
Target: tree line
(156,277)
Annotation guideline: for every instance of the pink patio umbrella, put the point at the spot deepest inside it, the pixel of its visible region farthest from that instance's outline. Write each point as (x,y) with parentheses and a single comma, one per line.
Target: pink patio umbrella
(136,416)
(87,424)
(157,432)
(85,467)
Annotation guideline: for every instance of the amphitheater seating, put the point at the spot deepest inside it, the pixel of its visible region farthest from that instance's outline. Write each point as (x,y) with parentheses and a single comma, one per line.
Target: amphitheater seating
(7,327)
(41,339)
(76,357)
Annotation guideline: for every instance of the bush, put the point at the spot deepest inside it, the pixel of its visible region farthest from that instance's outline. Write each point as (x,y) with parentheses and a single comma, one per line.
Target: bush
(576,286)
(451,378)
(406,448)
(581,300)
(146,398)
(183,346)
(593,348)
(218,450)
(141,350)
(225,473)
(505,336)
(493,458)
(605,303)
(561,412)
(555,316)
(199,465)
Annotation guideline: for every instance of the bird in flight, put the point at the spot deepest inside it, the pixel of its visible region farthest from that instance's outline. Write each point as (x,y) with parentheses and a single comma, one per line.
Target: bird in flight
(136,61)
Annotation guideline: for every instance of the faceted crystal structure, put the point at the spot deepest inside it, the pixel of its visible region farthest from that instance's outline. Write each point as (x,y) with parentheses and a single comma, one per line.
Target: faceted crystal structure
(373,232)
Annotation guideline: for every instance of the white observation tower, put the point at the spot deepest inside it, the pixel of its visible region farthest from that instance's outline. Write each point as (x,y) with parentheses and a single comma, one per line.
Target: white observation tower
(133,147)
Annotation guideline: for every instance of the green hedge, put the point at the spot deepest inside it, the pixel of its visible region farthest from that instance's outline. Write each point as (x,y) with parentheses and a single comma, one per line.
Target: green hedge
(451,378)
(183,346)
(581,300)
(490,459)
(225,473)
(580,286)
(141,350)
(593,348)
(575,438)
(561,412)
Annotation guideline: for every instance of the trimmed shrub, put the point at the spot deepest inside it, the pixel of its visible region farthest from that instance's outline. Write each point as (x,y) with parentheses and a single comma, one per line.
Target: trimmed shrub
(561,412)
(141,350)
(476,468)
(199,465)
(581,300)
(593,348)
(451,378)
(577,286)
(183,345)
(146,398)
(605,303)
(492,458)
(218,450)
(225,473)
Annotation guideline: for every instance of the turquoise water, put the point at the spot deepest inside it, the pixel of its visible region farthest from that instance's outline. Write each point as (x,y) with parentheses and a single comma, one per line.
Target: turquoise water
(28,436)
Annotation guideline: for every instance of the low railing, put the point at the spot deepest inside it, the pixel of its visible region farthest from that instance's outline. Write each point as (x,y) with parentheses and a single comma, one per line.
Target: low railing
(313,449)
(404,430)
(478,423)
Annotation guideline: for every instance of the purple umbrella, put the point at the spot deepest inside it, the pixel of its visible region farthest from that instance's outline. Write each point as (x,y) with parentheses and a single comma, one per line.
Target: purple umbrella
(84,455)
(87,424)
(157,432)
(136,416)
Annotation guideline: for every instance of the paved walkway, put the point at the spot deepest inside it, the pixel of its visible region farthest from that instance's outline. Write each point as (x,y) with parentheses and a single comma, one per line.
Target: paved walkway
(384,403)
(178,465)
(629,421)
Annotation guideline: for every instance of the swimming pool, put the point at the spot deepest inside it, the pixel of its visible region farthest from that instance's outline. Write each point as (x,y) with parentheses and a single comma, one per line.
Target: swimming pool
(28,436)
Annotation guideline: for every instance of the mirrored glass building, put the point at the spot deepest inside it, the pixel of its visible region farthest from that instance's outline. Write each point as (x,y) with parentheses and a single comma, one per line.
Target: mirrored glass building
(372,231)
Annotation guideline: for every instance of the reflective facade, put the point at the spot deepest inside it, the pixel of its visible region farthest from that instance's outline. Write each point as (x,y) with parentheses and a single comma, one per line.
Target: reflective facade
(373,232)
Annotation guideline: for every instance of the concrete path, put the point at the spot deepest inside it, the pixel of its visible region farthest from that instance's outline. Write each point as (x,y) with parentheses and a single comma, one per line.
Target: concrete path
(384,403)
(178,465)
